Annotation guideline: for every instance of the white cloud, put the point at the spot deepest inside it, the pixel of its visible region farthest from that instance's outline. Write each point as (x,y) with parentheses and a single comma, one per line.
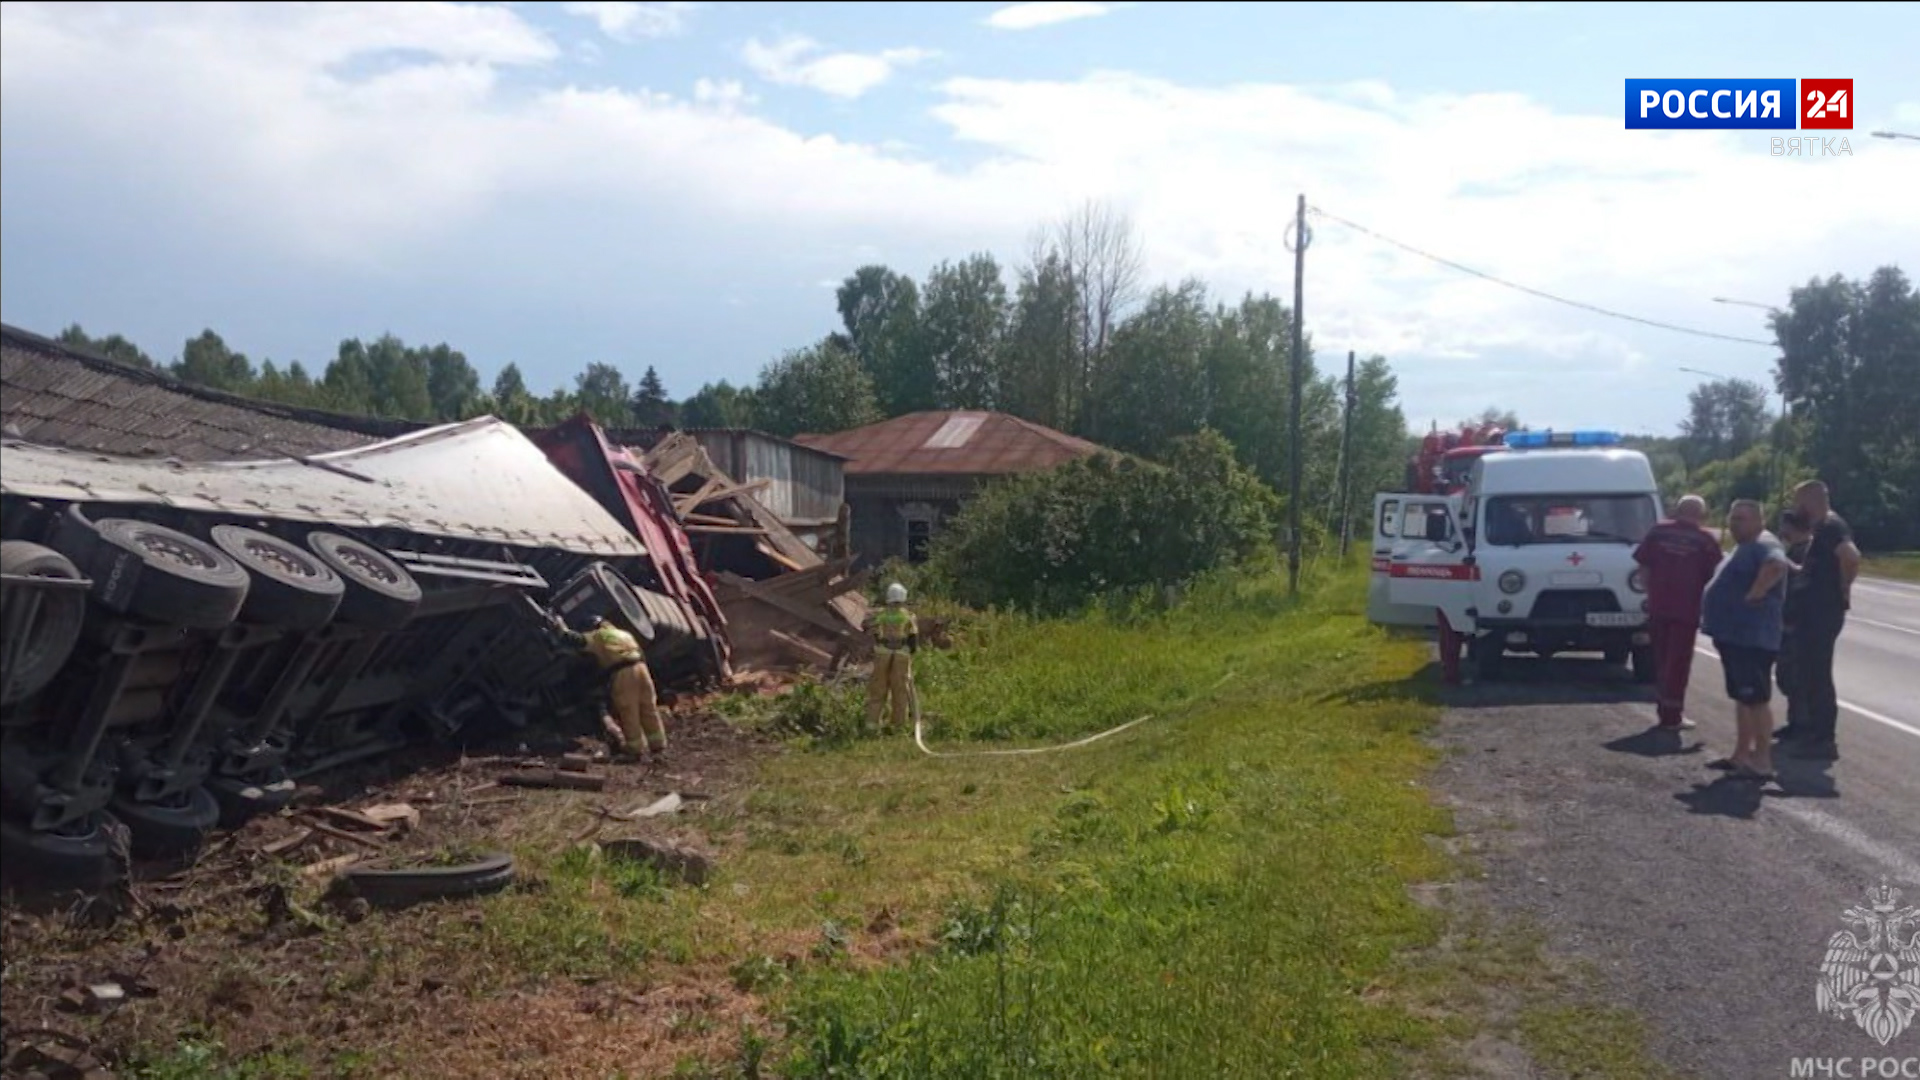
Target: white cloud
(798,61)
(381,138)
(1045,13)
(631,22)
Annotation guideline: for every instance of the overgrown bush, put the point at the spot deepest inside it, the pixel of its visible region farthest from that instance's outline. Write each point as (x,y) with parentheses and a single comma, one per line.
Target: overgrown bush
(1055,541)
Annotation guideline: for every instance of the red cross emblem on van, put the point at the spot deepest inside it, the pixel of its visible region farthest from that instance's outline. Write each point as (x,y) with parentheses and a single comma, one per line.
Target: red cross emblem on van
(1576,558)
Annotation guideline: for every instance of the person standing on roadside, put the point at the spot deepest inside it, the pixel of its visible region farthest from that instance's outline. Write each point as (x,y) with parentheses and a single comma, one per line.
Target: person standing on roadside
(1796,536)
(1831,564)
(1678,558)
(1741,613)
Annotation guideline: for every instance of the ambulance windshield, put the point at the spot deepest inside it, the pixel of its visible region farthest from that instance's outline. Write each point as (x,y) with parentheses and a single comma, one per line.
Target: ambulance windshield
(1519,520)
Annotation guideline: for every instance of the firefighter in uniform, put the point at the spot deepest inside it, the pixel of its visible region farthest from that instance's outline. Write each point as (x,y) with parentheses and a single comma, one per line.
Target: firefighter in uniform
(896,636)
(629,685)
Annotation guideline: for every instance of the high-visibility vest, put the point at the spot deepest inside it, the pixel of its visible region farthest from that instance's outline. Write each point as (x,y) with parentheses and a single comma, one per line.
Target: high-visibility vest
(893,626)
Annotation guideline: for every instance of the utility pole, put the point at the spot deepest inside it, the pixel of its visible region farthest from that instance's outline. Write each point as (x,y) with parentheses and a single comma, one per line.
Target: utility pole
(1293,406)
(1346,464)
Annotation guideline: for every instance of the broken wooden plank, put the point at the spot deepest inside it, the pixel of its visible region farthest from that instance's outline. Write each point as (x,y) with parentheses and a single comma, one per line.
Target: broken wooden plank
(287,843)
(341,834)
(812,655)
(389,814)
(736,530)
(683,504)
(737,491)
(350,817)
(328,866)
(792,607)
(552,778)
(709,519)
(576,763)
(781,560)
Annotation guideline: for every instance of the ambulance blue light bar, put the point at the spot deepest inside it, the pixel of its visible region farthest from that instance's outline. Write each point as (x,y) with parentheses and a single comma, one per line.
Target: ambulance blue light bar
(1534,440)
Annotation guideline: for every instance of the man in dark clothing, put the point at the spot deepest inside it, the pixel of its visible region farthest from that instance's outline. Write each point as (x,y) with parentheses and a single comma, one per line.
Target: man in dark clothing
(1678,558)
(1796,536)
(1741,613)
(1831,564)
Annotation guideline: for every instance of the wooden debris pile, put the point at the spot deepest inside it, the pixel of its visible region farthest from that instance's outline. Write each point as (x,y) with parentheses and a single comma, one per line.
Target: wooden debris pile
(786,605)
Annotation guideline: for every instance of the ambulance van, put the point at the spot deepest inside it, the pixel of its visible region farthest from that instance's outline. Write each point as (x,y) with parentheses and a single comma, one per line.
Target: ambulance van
(1534,556)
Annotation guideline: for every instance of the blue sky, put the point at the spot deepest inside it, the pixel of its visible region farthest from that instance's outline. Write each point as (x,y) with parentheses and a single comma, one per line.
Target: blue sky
(680,184)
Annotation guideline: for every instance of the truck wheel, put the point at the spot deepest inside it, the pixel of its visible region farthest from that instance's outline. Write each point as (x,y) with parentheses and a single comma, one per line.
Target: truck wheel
(1643,665)
(79,857)
(171,829)
(380,594)
(291,588)
(55,627)
(178,579)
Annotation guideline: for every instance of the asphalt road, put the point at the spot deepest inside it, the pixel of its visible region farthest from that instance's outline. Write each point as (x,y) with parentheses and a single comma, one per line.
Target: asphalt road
(1705,904)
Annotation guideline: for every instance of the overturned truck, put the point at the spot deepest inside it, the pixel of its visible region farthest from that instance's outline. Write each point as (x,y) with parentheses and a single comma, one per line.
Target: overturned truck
(183,643)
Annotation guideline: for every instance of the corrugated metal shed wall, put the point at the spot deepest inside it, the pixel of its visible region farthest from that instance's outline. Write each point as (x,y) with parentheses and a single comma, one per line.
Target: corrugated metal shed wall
(803,485)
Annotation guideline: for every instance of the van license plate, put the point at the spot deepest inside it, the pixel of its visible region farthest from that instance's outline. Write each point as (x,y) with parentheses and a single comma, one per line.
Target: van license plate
(1615,618)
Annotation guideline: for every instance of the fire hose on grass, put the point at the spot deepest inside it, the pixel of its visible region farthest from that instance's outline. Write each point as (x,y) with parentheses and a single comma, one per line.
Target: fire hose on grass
(919,737)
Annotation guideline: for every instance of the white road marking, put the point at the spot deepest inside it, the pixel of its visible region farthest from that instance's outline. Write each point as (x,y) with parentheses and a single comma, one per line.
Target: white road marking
(1863,711)
(1883,625)
(1890,858)
(1886,587)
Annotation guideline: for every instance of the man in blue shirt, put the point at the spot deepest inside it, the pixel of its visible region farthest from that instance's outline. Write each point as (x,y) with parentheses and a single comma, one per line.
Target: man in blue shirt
(1742,613)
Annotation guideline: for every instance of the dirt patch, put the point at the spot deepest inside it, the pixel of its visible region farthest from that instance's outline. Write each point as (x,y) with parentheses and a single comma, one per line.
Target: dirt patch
(576,970)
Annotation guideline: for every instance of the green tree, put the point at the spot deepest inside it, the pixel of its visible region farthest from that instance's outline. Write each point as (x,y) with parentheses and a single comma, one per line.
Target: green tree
(602,391)
(719,405)
(962,324)
(881,312)
(1725,418)
(1247,372)
(401,386)
(113,346)
(1153,385)
(819,389)
(452,384)
(651,407)
(1850,369)
(1038,367)
(1379,434)
(348,384)
(206,360)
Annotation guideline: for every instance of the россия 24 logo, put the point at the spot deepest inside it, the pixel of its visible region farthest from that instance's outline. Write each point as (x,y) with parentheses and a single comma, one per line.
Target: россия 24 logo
(1740,104)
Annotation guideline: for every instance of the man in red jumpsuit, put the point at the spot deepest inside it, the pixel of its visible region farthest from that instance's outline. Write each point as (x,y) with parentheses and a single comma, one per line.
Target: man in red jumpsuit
(1678,558)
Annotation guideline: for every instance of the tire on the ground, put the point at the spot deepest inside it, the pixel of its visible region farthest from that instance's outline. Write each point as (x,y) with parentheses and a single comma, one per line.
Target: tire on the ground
(176,578)
(291,587)
(1643,665)
(56,628)
(242,800)
(380,594)
(79,858)
(391,887)
(171,829)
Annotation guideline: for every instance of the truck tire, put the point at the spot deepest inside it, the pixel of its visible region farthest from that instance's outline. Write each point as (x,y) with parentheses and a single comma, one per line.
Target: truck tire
(291,587)
(394,888)
(159,574)
(380,594)
(77,858)
(1643,666)
(172,829)
(56,626)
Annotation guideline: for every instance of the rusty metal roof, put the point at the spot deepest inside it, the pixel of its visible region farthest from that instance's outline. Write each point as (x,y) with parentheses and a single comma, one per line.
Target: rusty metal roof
(477,480)
(56,395)
(964,443)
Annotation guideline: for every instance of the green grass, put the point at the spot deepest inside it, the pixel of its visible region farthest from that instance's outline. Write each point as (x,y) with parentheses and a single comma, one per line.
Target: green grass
(1904,566)
(1211,893)
(1221,891)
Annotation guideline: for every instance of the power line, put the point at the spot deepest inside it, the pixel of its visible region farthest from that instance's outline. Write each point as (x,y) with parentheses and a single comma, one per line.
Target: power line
(1450,264)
